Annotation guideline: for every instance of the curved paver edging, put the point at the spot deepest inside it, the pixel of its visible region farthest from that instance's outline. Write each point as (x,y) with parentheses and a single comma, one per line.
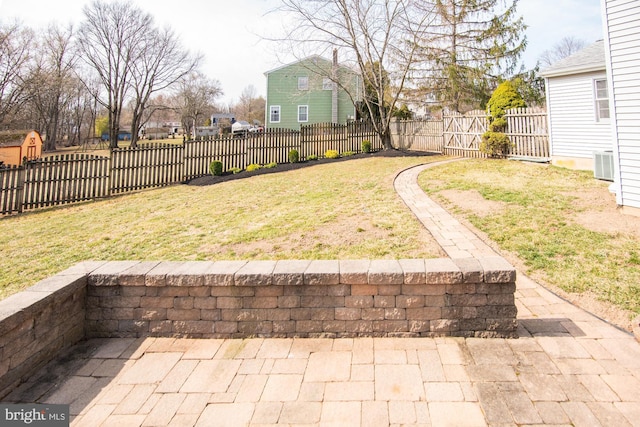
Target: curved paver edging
(454,238)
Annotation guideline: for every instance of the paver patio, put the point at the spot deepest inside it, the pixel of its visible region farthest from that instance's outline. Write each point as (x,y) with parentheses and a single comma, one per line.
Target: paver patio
(567,368)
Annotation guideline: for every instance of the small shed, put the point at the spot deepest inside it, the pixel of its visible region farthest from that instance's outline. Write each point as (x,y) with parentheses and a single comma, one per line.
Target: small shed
(578,108)
(15,147)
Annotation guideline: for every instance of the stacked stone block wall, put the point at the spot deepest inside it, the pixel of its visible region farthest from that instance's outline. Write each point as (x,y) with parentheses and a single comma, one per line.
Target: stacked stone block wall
(40,322)
(234,299)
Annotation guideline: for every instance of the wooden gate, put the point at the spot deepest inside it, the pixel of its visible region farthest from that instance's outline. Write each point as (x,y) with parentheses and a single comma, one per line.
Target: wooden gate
(463,133)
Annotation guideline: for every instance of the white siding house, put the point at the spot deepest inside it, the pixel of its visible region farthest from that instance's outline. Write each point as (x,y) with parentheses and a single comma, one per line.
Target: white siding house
(621,19)
(578,108)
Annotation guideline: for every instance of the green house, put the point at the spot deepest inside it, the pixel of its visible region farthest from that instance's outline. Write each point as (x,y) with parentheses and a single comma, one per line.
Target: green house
(304,92)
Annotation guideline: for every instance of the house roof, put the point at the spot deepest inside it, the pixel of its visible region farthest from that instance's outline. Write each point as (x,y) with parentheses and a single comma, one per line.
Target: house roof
(313,58)
(591,58)
(13,138)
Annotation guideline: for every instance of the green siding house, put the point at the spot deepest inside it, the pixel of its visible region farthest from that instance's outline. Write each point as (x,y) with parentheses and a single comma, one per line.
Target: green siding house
(304,93)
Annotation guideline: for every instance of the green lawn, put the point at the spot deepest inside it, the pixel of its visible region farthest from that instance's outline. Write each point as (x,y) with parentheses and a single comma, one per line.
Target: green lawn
(537,221)
(345,210)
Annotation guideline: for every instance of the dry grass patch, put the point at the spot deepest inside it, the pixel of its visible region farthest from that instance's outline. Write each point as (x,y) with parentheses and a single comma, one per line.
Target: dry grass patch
(537,214)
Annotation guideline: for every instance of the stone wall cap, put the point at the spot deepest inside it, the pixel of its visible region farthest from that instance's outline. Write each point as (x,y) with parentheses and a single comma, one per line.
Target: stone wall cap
(497,270)
(255,273)
(471,270)
(414,270)
(385,271)
(322,272)
(354,271)
(442,271)
(222,273)
(290,272)
(113,268)
(85,267)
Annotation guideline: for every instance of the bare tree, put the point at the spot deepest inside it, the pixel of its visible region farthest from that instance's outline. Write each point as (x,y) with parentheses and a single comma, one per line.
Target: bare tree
(15,55)
(53,80)
(196,96)
(163,62)
(379,38)
(81,111)
(250,106)
(467,48)
(564,48)
(109,43)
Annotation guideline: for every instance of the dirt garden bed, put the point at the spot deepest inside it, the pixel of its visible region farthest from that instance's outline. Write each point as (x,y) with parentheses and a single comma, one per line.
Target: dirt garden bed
(283,167)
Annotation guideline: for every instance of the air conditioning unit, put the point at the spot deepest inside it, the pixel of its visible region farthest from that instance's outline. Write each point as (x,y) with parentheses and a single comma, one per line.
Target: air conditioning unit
(603,165)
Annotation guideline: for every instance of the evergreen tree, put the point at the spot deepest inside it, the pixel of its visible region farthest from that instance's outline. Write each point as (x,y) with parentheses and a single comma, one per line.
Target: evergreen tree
(470,44)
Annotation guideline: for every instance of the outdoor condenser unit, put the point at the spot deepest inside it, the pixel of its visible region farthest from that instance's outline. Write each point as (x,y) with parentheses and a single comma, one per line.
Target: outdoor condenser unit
(603,165)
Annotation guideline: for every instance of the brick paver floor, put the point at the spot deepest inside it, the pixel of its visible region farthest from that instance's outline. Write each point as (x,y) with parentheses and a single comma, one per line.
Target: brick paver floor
(568,368)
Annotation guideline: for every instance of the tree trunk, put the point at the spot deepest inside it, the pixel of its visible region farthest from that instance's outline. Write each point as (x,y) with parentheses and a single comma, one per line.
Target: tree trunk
(385,137)
(114,129)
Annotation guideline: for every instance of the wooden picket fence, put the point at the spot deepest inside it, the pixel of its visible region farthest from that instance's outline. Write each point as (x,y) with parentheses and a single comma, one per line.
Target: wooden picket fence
(418,135)
(528,131)
(73,178)
(460,134)
(11,189)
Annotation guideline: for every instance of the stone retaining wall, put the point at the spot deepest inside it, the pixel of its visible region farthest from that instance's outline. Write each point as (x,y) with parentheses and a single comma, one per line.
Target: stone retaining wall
(235,299)
(37,323)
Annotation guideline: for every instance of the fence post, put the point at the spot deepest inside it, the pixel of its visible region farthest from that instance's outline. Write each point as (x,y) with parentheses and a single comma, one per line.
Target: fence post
(20,188)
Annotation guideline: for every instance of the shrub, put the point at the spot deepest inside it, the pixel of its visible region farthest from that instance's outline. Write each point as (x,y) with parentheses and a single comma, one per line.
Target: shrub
(366,146)
(271,165)
(312,157)
(498,125)
(235,170)
(294,156)
(253,167)
(348,153)
(215,168)
(495,144)
(331,154)
(503,98)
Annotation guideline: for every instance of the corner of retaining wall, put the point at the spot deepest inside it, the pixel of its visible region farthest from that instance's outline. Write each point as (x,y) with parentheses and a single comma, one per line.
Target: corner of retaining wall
(37,323)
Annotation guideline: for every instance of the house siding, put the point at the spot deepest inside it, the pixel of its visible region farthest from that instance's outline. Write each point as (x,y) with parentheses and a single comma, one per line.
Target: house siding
(622,44)
(575,130)
(282,90)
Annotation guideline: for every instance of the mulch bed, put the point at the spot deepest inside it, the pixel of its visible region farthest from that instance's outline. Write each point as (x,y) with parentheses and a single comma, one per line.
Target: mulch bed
(228,176)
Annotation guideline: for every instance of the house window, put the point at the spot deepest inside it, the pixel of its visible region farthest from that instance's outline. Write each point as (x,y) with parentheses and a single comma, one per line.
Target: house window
(303,83)
(602,99)
(327,84)
(303,113)
(274,114)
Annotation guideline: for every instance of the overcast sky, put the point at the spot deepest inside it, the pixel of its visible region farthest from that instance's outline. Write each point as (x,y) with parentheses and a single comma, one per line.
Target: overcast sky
(228,33)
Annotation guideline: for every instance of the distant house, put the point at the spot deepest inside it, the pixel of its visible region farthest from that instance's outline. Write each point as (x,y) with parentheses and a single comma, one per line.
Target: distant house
(15,147)
(578,108)
(621,19)
(304,93)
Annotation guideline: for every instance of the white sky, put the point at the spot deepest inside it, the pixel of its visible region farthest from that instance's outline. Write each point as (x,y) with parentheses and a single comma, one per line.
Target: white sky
(228,33)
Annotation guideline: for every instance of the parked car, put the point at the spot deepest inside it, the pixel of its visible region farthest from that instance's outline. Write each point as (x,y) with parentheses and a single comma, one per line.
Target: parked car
(240,127)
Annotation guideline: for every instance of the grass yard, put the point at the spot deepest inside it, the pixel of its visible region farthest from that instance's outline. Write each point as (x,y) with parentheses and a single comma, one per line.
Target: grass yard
(561,224)
(346,210)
